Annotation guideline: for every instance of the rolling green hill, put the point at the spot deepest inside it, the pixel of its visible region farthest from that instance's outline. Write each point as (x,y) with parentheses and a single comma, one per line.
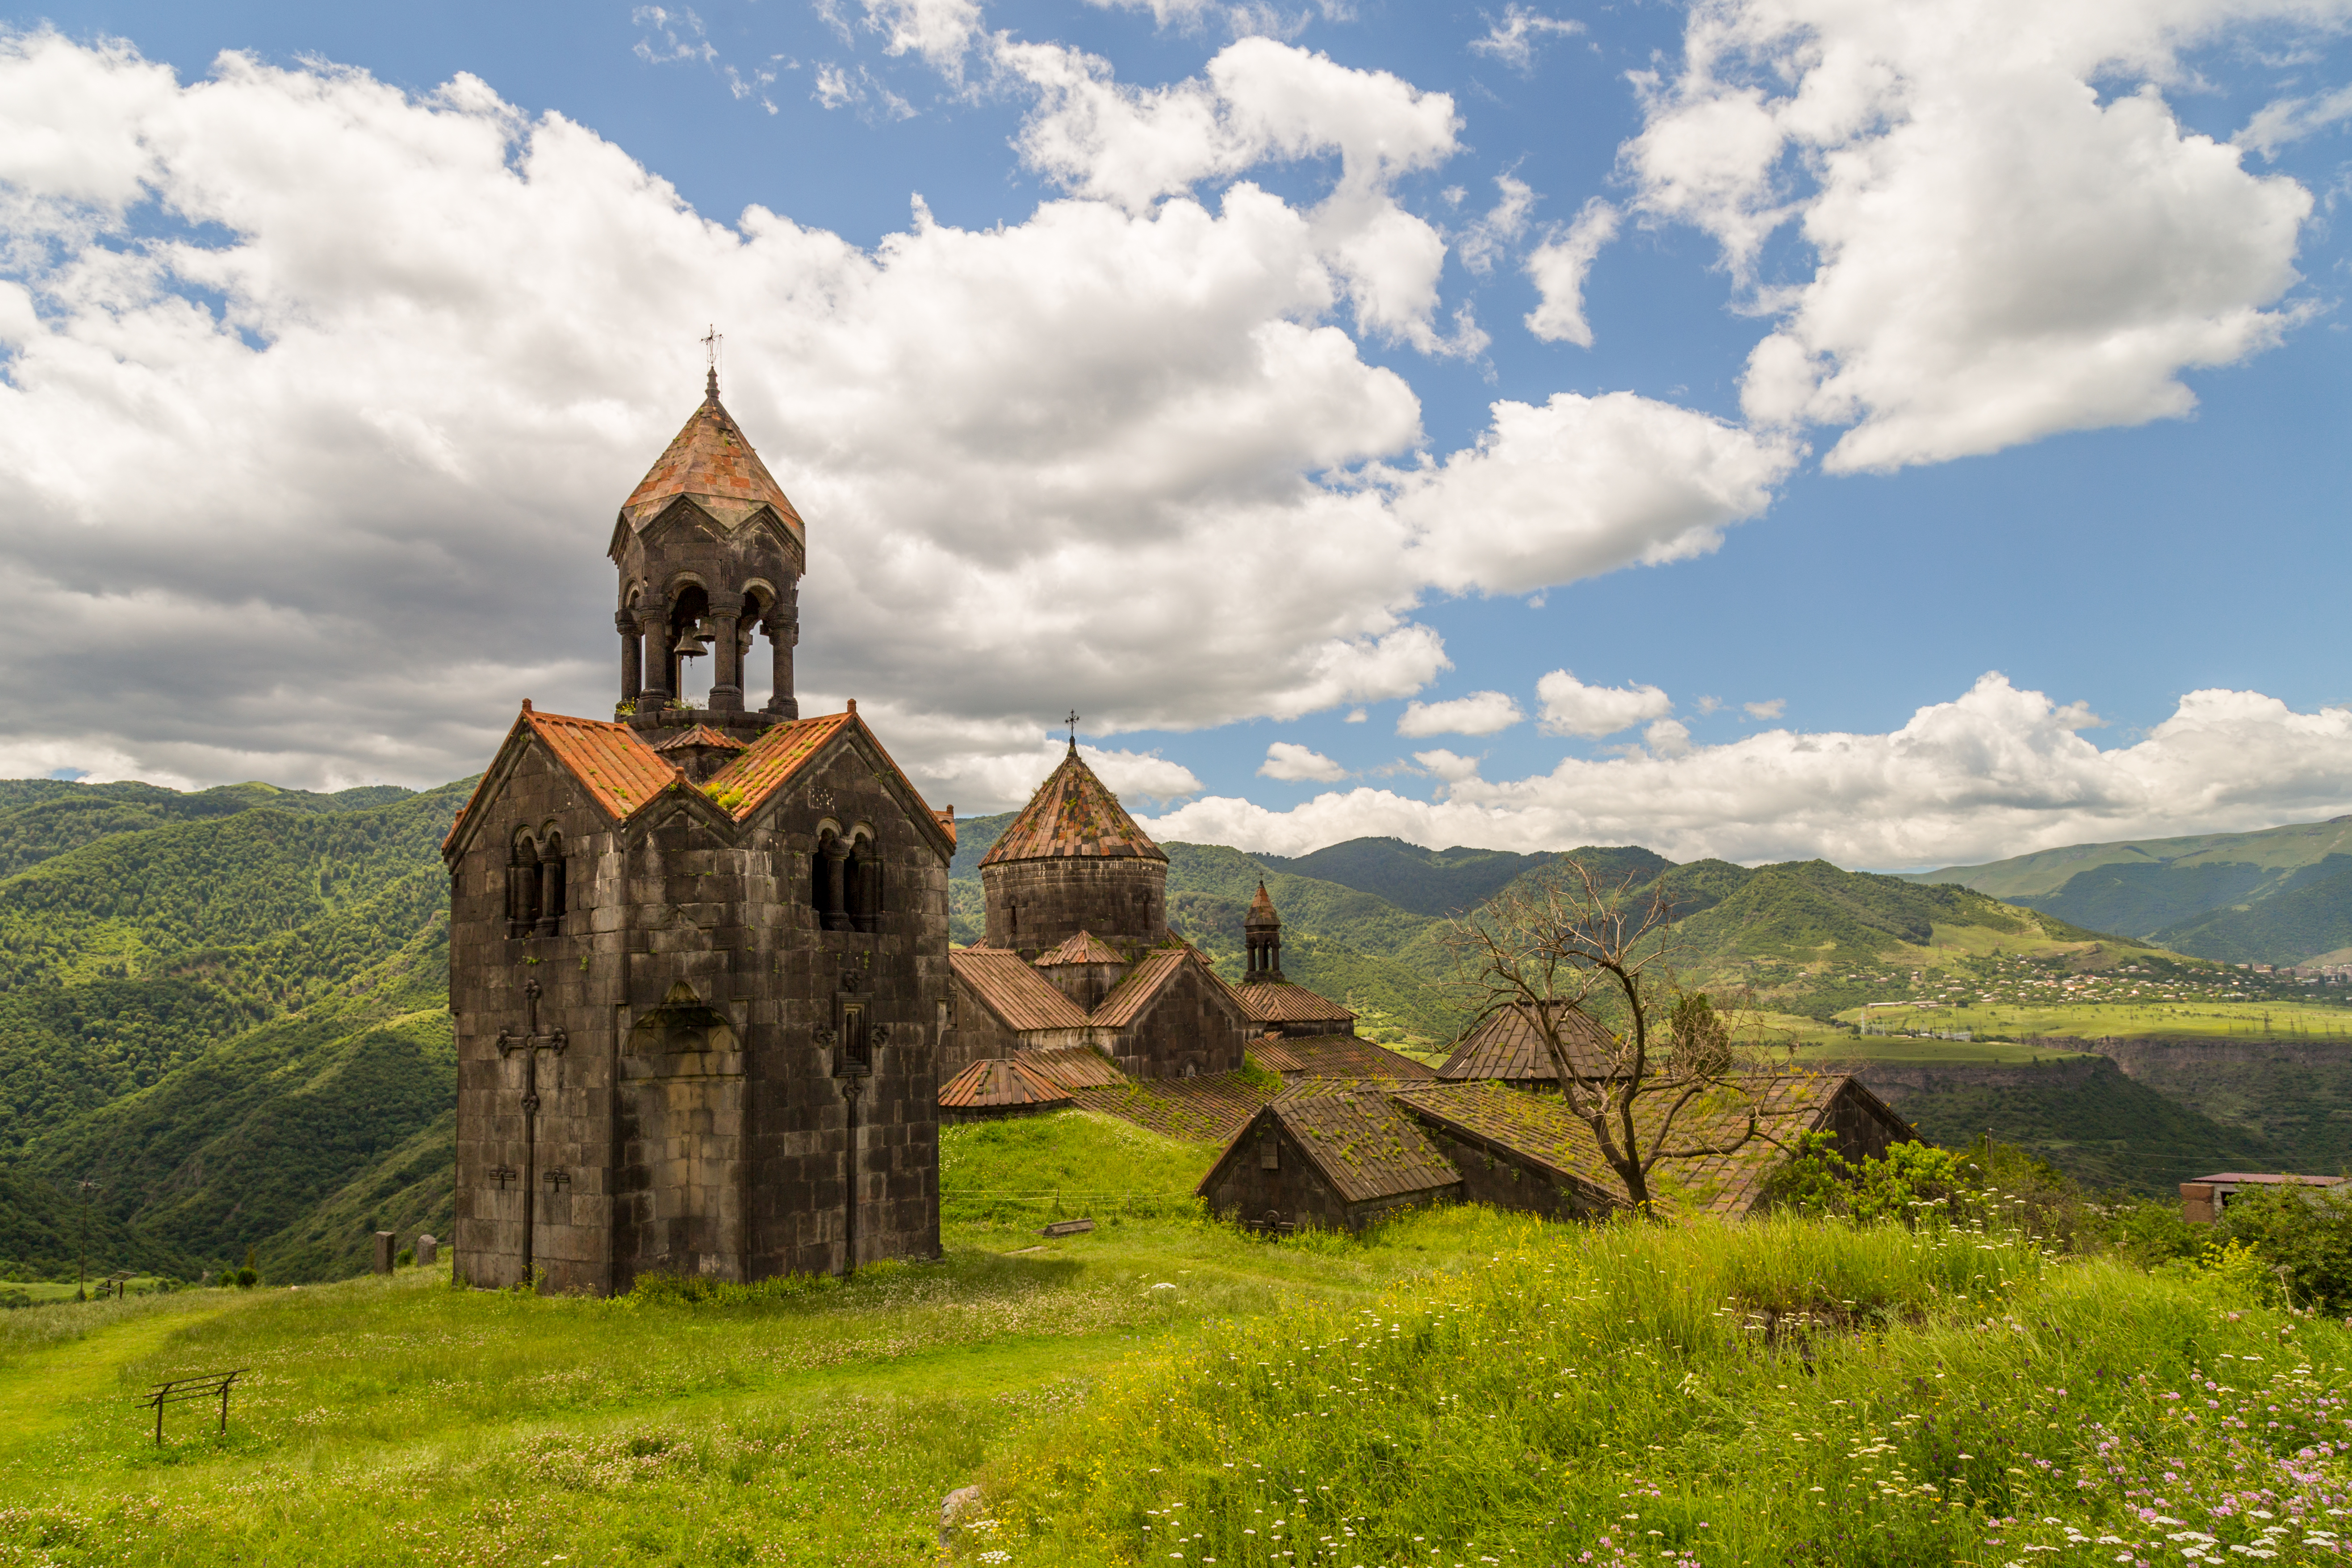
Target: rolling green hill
(2282,895)
(1423,881)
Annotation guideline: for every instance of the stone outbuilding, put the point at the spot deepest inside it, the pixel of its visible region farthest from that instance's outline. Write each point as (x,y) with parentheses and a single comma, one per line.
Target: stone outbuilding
(1328,1155)
(698,959)
(2202,1200)
(1482,1142)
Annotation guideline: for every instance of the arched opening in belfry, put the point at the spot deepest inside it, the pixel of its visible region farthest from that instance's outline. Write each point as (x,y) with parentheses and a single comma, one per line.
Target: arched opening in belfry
(690,643)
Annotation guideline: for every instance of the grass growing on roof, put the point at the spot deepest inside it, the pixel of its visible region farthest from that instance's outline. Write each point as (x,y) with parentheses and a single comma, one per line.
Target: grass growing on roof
(1024,1169)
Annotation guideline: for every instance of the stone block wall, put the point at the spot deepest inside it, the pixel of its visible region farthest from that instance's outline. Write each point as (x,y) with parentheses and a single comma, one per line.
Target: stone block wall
(1034,905)
(697,1112)
(1193,1025)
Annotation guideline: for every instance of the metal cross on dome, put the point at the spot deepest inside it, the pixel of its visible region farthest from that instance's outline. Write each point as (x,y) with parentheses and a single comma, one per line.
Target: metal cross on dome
(1074,729)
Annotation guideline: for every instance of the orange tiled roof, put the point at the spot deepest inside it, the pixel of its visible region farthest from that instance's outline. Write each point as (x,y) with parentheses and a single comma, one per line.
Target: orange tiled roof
(700,735)
(710,461)
(620,771)
(1000,1085)
(1335,1056)
(1509,1046)
(1019,997)
(1072,815)
(769,762)
(1084,948)
(1276,1002)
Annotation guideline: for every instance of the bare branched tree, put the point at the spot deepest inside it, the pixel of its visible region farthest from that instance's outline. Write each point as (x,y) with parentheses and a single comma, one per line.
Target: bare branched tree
(1589,967)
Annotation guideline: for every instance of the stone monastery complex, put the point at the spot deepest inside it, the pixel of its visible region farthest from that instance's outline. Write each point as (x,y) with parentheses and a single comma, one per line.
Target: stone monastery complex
(708,1021)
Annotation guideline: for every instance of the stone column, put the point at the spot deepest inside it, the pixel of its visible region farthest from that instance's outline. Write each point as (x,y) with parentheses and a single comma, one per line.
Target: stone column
(784,628)
(632,655)
(550,893)
(833,859)
(652,621)
(726,675)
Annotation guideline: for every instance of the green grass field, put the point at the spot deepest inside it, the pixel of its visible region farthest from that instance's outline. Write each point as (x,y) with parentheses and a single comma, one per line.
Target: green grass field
(2248,1020)
(1459,1388)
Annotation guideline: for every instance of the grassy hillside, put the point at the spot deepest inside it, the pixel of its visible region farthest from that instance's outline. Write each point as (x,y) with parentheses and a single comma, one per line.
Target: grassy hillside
(242,1145)
(2283,895)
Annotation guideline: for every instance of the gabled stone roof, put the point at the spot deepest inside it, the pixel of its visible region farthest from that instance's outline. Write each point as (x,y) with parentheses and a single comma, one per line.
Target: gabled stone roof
(1084,948)
(1279,1002)
(1072,815)
(1336,1056)
(997,1084)
(1508,1046)
(1022,999)
(711,463)
(699,735)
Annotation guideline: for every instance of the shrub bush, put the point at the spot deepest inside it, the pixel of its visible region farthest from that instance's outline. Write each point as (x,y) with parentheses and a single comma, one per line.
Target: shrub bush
(2303,1234)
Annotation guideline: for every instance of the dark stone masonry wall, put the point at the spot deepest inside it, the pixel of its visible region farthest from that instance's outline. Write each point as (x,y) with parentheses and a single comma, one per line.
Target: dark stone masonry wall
(697,1115)
(1034,905)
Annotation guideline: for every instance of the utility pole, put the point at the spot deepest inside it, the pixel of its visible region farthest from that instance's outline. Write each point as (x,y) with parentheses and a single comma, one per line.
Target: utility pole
(82,1275)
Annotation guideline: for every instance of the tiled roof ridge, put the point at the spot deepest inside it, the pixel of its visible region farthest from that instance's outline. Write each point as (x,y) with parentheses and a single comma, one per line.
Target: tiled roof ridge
(1083,947)
(699,735)
(1073,814)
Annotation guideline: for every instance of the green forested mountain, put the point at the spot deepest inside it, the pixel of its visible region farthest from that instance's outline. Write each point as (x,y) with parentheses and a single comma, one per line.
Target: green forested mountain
(155,972)
(1423,881)
(41,817)
(2282,895)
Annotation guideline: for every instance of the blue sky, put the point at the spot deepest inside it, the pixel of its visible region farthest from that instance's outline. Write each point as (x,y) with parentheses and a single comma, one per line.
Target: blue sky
(2167,521)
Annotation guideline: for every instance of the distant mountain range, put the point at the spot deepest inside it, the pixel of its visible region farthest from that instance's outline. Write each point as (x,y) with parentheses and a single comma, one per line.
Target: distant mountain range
(2282,895)
(227,1008)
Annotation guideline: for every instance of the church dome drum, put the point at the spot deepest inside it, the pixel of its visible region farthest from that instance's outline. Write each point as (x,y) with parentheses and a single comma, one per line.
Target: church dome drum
(1073,861)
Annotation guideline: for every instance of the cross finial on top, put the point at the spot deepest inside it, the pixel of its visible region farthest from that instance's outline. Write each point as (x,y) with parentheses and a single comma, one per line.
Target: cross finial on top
(710,341)
(1074,730)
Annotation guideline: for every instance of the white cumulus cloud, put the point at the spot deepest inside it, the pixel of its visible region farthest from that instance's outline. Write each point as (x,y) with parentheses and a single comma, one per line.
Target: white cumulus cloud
(1480,713)
(1294,763)
(2007,247)
(1558,266)
(1997,772)
(366,418)
(1513,38)
(1572,708)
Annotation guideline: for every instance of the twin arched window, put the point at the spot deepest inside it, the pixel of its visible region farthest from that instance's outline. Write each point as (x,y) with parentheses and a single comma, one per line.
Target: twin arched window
(535,884)
(845,881)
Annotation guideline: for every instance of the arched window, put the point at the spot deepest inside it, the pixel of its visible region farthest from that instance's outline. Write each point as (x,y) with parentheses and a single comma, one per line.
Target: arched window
(830,882)
(1013,913)
(522,887)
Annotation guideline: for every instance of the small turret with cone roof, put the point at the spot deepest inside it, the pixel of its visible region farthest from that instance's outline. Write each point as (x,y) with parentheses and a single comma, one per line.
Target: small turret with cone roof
(1262,934)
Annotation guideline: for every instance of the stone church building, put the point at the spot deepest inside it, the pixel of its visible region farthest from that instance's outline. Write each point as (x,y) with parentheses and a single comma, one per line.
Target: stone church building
(698,953)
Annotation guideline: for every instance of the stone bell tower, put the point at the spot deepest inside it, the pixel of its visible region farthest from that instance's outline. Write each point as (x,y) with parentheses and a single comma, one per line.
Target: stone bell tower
(710,555)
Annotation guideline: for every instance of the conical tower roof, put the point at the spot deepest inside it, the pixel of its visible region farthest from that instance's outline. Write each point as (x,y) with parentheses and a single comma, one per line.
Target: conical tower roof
(711,462)
(1260,911)
(1072,815)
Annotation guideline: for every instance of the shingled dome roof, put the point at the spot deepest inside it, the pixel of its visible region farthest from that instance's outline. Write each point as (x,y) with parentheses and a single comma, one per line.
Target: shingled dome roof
(1072,815)
(711,463)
